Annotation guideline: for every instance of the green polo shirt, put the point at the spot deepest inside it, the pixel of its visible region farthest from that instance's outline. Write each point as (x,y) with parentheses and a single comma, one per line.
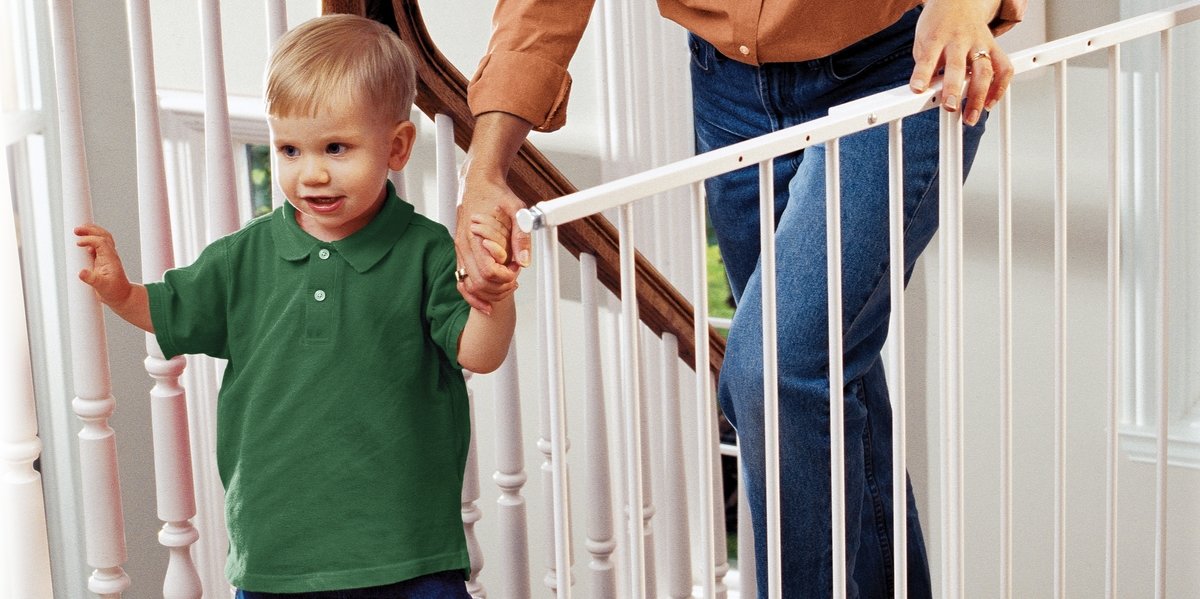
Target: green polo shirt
(342,419)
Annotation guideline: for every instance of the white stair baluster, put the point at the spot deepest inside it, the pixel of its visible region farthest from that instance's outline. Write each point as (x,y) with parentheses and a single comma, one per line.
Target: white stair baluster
(276,27)
(104,521)
(168,405)
(25,551)
(510,477)
(470,511)
(647,382)
(221,211)
(276,21)
(674,521)
(600,541)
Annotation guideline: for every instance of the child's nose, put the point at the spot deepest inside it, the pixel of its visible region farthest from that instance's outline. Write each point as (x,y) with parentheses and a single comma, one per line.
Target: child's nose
(314,173)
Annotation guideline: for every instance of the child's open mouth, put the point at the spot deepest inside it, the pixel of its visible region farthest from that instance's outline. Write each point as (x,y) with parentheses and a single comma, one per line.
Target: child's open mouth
(324,204)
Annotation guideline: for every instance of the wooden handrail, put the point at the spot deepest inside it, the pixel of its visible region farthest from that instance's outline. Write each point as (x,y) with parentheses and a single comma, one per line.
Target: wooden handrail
(442,89)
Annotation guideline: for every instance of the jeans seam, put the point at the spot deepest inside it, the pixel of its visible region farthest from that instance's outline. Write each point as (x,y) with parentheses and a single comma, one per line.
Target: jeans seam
(937,173)
(766,97)
(879,513)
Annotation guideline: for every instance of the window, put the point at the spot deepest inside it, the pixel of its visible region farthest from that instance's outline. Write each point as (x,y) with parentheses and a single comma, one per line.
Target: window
(1141,341)
(258,170)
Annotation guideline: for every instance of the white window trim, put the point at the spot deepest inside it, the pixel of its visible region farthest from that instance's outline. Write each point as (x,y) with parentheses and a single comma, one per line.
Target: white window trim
(1142,343)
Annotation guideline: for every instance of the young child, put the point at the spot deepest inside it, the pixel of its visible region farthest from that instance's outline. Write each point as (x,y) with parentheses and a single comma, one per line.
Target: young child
(343,420)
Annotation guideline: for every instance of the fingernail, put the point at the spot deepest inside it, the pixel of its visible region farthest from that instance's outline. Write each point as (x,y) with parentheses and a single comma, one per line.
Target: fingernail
(989,106)
(917,85)
(951,103)
(523,258)
(973,117)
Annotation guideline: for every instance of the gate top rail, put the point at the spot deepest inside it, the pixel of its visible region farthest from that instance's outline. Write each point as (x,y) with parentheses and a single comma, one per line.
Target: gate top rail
(843,120)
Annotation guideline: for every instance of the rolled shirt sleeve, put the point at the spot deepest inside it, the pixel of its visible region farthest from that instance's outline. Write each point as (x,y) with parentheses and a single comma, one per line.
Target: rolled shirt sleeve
(1010,13)
(525,70)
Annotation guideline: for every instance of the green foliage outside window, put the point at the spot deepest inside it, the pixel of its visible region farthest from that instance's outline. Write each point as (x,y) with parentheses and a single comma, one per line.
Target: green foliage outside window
(258,157)
(720,298)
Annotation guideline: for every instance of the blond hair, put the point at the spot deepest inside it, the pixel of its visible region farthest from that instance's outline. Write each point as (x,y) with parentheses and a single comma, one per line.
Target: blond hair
(341,60)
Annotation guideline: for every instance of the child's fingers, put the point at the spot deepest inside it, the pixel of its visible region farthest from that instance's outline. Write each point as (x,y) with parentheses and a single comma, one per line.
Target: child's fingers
(496,249)
(497,280)
(489,228)
(492,222)
(89,277)
(496,234)
(91,230)
(99,244)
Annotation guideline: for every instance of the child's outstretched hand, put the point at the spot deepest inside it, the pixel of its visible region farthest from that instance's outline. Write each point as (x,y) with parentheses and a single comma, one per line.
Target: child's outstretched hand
(107,274)
(107,277)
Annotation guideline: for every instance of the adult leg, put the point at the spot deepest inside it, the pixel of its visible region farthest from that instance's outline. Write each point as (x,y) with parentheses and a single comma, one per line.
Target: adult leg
(729,106)
(803,372)
(803,363)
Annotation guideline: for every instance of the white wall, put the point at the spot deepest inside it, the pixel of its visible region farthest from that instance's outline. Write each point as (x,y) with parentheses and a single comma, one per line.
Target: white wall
(1033,418)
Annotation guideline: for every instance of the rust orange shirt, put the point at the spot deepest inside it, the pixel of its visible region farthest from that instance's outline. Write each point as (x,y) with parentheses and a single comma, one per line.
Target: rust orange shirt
(525,70)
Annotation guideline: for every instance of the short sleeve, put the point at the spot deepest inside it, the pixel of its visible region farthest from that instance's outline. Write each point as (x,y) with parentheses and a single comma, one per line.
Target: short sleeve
(445,309)
(189,308)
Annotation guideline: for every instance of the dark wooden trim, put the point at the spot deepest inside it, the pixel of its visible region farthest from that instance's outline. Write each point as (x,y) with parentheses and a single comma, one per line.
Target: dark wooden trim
(442,89)
(349,7)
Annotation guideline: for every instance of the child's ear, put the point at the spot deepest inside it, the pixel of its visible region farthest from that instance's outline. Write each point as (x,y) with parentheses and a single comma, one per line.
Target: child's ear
(403,136)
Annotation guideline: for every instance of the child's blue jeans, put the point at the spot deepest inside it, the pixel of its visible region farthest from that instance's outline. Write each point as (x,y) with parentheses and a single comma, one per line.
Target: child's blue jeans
(439,585)
(733,102)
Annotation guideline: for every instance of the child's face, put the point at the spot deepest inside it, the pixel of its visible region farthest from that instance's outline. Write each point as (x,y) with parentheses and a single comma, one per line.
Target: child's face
(333,167)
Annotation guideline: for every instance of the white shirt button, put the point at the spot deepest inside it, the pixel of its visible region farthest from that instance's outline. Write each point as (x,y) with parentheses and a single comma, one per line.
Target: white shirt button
(324,254)
(319,295)
(744,50)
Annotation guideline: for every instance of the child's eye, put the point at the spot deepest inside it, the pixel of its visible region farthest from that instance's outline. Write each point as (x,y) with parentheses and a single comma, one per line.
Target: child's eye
(335,149)
(289,151)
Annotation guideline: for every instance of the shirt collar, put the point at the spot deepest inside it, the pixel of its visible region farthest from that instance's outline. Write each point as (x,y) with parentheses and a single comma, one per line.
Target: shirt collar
(365,248)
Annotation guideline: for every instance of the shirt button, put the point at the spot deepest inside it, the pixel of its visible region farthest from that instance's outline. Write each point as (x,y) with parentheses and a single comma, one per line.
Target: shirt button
(744,50)
(319,295)
(324,254)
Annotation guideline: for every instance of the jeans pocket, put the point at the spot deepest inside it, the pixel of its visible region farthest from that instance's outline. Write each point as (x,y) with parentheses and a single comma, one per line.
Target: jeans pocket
(894,42)
(701,51)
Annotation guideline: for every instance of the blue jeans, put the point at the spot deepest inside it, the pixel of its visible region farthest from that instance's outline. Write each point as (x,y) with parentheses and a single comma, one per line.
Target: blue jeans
(439,585)
(734,102)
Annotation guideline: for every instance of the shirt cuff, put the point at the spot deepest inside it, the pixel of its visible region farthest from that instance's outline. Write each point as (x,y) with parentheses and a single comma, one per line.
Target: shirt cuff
(1010,13)
(524,85)
(156,294)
